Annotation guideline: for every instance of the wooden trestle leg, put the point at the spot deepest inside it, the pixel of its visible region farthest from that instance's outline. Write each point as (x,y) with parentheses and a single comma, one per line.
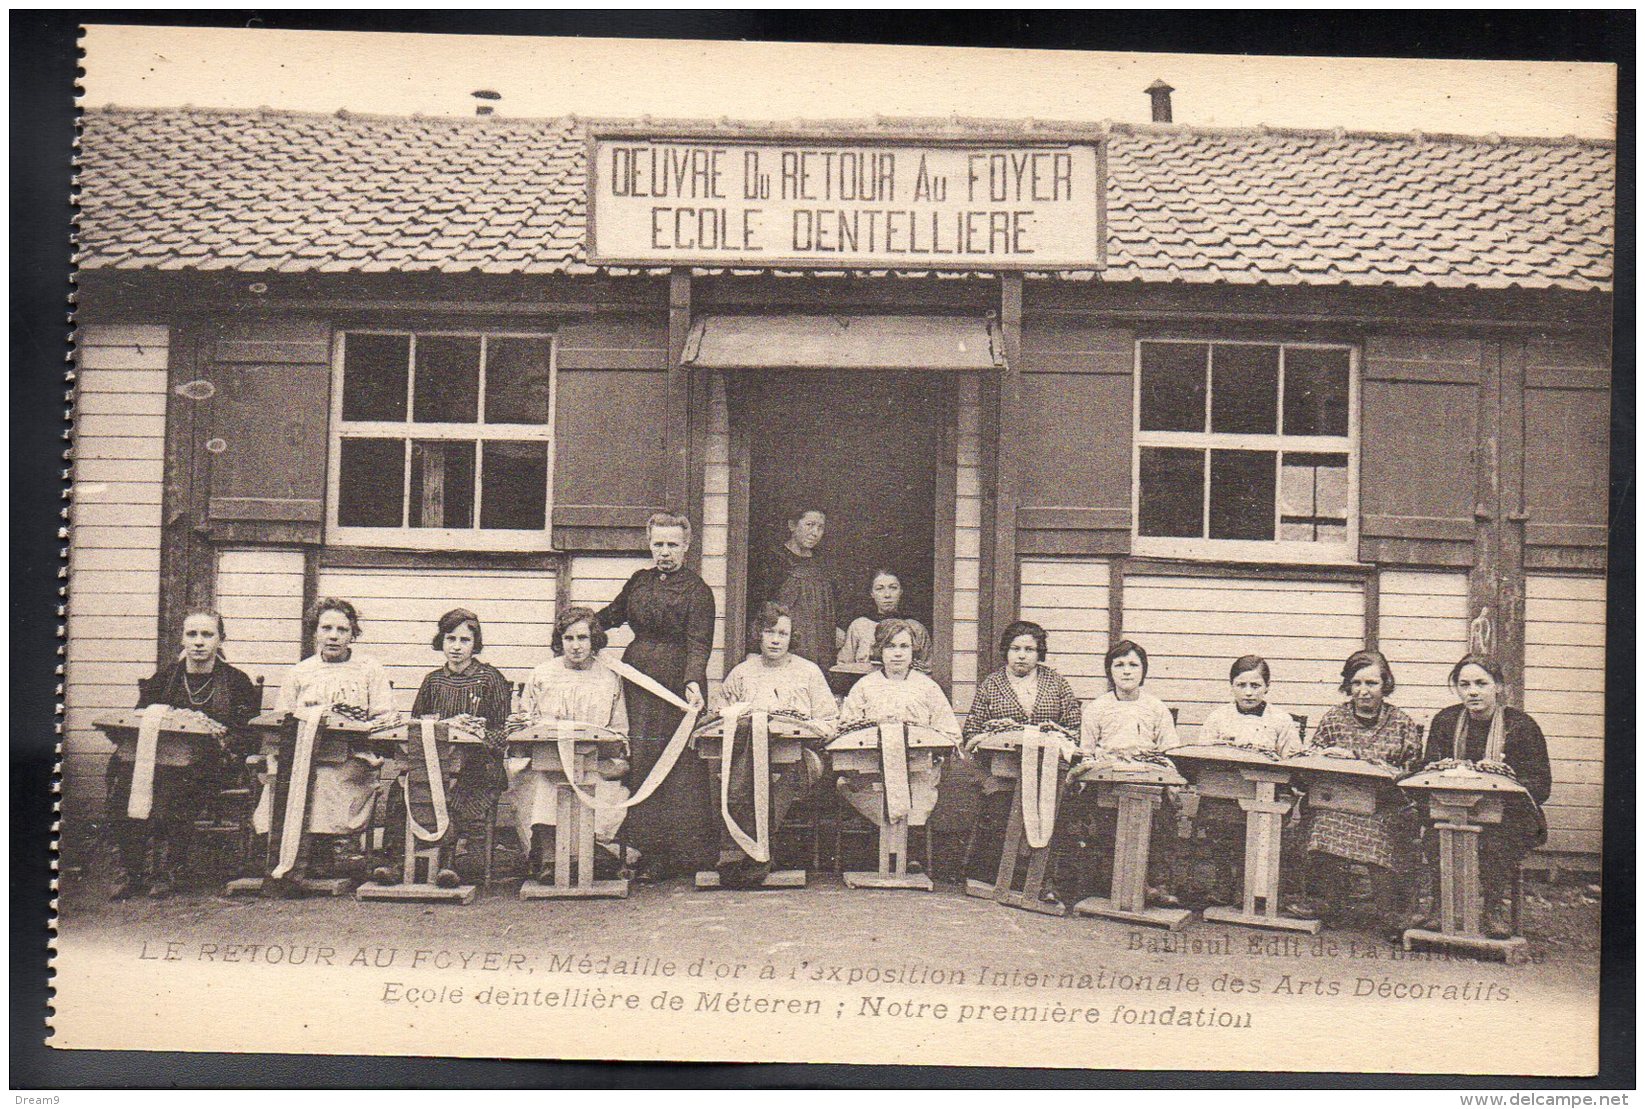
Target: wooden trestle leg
(573,833)
(1031,896)
(1136,805)
(1264,826)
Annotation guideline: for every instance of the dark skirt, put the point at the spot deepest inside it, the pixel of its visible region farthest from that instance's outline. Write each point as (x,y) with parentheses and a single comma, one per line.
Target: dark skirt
(181,793)
(674,828)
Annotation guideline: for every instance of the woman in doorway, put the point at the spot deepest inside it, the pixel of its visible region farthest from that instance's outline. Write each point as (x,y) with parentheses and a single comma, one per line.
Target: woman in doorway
(1482,729)
(573,685)
(469,692)
(884,603)
(798,577)
(152,847)
(1368,727)
(671,610)
(897,692)
(1026,691)
(773,680)
(342,795)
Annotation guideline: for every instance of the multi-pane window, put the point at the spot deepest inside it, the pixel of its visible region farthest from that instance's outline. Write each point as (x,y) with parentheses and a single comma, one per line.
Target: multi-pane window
(442,438)
(1245,449)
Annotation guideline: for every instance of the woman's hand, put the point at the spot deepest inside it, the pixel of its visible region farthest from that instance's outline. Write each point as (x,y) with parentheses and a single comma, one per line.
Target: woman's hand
(694,696)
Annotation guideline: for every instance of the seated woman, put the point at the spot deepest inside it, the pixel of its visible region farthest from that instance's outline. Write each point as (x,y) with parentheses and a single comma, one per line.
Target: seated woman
(1483,729)
(1027,691)
(1368,727)
(573,685)
(342,795)
(896,692)
(202,681)
(775,680)
(1248,721)
(468,691)
(885,603)
(1127,720)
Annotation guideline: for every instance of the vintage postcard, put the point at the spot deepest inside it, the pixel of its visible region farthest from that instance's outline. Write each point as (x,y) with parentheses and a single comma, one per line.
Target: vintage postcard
(594,549)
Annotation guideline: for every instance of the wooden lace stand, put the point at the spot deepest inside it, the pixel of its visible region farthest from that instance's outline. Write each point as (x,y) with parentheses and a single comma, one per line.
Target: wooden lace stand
(338,740)
(858,753)
(1136,796)
(574,844)
(1253,781)
(1462,806)
(420,862)
(785,751)
(1005,764)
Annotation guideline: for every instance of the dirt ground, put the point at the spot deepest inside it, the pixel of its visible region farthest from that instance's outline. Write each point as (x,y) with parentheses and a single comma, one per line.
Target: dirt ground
(1344,999)
(825,920)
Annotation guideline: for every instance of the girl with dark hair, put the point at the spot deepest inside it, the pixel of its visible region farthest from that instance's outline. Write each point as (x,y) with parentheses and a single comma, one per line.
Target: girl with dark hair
(1250,721)
(1368,727)
(1127,717)
(573,685)
(1484,729)
(773,679)
(1025,690)
(1127,720)
(472,691)
(152,847)
(342,795)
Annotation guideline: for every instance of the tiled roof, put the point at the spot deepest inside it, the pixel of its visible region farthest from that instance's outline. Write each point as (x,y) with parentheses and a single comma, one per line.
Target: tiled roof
(280,192)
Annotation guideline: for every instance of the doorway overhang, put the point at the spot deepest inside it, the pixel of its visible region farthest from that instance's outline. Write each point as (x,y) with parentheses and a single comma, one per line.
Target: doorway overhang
(941,343)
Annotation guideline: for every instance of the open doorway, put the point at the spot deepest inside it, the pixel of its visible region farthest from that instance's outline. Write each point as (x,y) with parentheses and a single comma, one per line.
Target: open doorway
(864,448)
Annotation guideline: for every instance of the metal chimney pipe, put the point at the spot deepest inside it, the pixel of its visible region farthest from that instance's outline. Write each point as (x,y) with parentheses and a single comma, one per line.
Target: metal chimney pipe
(482,95)
(1160,93)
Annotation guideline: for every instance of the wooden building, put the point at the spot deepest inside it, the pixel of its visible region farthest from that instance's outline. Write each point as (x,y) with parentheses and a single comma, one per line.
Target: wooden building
(1220,391)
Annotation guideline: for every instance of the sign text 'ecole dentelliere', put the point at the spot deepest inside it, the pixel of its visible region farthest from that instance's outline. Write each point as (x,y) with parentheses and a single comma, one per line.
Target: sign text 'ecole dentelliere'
(765,203)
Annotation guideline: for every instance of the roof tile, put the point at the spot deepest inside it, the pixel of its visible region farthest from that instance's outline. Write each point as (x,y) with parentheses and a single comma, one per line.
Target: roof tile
(290,192)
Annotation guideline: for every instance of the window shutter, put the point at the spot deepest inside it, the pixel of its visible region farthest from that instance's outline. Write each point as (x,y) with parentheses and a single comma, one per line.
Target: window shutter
(1075,446)
(610,432)
(1419,417)
(269,406)
(1567,492)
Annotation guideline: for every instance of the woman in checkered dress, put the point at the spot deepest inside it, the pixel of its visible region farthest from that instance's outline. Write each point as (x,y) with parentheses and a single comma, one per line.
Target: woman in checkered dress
(1370,728)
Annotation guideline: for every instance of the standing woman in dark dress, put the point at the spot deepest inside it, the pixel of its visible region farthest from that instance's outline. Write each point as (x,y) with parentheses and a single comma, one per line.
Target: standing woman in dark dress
(671,611)
(1482,728)
(200,680)
(800,579)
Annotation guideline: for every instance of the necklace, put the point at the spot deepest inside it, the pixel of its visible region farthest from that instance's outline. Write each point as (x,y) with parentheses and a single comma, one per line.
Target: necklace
(198,697)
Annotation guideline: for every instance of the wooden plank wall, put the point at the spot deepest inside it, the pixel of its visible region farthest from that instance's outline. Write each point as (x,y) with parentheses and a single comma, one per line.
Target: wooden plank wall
(114,544)
(260,594)
(967,543)
(1194,628)
(1565,691)
(399,608)
(1069,599)
(715,518)
(1423,629)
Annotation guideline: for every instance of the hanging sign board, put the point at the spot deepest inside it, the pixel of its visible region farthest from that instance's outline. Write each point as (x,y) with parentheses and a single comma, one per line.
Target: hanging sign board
(680,201)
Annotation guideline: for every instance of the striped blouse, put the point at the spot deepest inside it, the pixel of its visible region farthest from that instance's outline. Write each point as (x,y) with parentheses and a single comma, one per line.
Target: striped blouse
(481,690)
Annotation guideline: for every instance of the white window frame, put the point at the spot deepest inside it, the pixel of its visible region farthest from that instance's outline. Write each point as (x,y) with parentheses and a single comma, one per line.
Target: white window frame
(460,539)
(1345,553)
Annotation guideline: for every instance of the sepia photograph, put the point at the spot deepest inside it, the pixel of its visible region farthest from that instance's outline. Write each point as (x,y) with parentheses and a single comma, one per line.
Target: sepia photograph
(621,549)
